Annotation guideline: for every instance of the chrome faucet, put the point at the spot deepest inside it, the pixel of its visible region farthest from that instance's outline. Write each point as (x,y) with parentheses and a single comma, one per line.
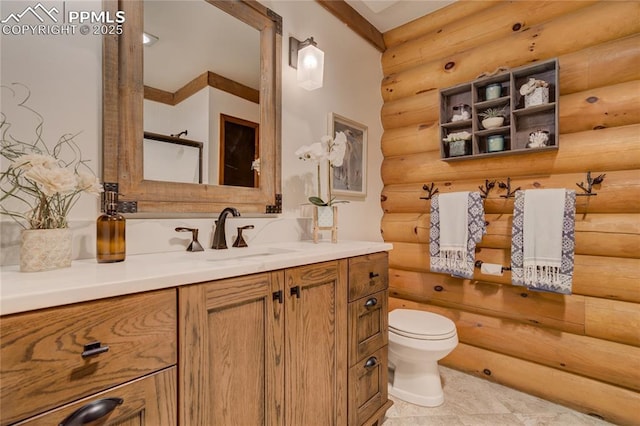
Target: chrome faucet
(219,237)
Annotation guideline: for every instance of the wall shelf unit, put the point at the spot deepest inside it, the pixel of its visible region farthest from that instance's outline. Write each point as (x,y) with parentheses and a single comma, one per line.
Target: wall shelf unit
(461,109)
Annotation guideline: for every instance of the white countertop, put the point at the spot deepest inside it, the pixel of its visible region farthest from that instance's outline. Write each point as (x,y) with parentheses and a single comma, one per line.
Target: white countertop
(88,280)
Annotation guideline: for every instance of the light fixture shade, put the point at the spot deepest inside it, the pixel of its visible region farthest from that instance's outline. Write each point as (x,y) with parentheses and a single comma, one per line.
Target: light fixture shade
(310,67)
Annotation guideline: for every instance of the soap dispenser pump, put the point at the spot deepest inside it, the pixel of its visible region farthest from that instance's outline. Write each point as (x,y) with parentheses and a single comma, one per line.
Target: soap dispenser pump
(110,231)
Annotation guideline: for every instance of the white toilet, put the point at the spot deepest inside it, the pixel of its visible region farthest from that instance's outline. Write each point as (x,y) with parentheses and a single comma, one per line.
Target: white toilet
(417,340)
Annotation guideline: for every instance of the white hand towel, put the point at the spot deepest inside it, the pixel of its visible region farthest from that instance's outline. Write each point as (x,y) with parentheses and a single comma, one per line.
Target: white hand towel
(543,224)
(535,245)
(456,226)
(454,229)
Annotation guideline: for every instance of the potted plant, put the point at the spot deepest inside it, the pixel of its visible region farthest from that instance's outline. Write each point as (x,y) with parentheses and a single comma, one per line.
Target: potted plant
(40,184)
(492,117)
(457,142)
(333,151)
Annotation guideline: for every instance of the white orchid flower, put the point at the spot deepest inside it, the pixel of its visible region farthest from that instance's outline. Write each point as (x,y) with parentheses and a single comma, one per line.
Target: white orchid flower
(338,149)
(314,152)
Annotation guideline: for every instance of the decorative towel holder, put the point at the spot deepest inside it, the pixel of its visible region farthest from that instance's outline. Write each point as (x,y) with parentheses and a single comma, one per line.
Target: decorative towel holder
(511,193)
(487,187)
(590,182)
(507,186)
(431,191)
(588,190)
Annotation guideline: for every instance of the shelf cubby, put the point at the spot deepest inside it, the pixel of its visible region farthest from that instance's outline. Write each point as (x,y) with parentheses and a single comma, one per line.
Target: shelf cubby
(519,121)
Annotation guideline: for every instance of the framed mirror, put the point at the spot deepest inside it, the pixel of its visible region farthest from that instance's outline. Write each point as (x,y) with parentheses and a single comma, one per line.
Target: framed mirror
(128,91)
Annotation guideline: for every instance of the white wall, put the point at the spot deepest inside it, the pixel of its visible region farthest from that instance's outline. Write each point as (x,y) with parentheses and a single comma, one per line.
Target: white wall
(64,74)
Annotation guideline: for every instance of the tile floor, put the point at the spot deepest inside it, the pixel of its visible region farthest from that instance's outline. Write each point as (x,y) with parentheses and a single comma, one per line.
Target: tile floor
(470,400)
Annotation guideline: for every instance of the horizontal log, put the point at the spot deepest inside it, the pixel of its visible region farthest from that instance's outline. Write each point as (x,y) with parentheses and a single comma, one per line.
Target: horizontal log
(411,139)
(578,152)
(615,235)
(619,193)
(555,311)
(617,363)
(601,65)
(609,402)
(605,277)
(593,108)
(483,27)
(434,20)
(612,320)
(547,40)
(600,108)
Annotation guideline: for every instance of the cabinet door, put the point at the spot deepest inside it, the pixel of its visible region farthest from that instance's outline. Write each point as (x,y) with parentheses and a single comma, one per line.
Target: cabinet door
(315,342)
(229,355)
(150,401)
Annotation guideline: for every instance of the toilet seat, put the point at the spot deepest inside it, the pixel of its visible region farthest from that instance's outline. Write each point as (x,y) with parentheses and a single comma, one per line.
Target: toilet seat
(421,325)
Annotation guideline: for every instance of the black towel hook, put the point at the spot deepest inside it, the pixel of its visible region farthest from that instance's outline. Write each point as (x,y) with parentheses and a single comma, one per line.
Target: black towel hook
(590,182)
(431,191)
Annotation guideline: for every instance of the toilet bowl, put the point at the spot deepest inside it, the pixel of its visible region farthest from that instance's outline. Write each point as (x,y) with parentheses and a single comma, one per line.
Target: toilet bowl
(417,340)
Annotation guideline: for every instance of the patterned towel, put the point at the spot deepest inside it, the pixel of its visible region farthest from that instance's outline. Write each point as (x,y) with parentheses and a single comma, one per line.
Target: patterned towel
(459,265)
(540,270)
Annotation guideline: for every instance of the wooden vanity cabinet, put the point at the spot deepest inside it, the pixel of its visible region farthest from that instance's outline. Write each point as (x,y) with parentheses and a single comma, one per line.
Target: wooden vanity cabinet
(58,360)
(368,338)
(265,349)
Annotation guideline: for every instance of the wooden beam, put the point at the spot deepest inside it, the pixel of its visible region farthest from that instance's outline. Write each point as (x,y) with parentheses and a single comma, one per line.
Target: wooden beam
(341,10)
(207,78)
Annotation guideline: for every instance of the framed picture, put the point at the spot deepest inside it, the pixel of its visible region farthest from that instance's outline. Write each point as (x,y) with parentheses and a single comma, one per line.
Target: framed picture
(350,179)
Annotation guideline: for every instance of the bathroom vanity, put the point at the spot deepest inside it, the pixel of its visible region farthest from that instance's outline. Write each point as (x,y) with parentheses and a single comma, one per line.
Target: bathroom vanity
(289,334)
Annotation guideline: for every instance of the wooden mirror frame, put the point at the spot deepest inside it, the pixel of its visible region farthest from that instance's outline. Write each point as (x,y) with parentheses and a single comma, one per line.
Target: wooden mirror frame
(123,92)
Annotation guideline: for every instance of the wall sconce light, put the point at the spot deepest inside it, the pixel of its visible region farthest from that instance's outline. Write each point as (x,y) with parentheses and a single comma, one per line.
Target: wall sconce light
(308,60)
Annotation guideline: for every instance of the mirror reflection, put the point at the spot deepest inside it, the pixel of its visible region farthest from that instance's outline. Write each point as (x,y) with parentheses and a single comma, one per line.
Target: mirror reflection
(201,70)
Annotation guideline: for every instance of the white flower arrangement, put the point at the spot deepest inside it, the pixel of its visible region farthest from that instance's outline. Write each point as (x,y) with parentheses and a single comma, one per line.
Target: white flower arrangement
(330,149)
(39,178)
(531,85)
(457,136)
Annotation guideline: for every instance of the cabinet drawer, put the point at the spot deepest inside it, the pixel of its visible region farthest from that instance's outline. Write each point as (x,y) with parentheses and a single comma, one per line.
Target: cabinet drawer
(368,274)
(149,401)
(41,353)
(368,325)
(368,386)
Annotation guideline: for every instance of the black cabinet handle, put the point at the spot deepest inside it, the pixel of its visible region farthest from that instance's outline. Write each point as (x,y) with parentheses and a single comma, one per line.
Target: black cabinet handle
(277,295)
(371,303)
(94,348)
(371,362)
(373,275)
(92,412)
(296,291)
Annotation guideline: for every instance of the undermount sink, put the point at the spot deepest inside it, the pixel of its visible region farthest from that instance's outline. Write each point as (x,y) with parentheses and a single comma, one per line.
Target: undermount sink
(243,253)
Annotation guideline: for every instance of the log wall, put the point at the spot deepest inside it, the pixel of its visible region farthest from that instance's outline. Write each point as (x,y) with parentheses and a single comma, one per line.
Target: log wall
(580,350)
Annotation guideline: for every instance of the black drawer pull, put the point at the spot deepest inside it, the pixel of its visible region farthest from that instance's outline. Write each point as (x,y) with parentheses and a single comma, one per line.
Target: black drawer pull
(371,362)
(438,288)
(370,303)
(94,348)
(277,295)
(296,291)
(373,275)
(92,412)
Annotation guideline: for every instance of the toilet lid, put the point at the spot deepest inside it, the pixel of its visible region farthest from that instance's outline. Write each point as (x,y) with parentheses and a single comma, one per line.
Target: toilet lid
(421,325)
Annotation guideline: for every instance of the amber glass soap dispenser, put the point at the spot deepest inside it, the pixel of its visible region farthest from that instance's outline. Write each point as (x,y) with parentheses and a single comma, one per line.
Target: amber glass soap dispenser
(110,231)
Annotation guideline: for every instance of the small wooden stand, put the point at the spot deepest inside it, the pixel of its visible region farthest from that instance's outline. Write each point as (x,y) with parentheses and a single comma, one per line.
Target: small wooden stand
(333,228)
